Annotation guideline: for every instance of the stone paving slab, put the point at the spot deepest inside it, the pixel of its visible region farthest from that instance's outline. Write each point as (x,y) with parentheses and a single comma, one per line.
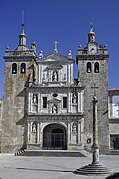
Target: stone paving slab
(22,167)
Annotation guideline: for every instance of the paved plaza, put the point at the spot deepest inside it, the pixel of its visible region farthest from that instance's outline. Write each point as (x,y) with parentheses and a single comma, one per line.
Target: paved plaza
(23,167)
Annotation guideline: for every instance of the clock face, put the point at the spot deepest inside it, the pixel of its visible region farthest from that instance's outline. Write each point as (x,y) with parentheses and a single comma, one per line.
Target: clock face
(92,48)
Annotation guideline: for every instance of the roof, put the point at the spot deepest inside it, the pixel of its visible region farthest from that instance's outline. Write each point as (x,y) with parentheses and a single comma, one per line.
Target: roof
(56,57)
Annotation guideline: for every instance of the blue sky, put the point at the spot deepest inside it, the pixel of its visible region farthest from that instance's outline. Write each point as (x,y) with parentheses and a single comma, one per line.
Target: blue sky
(67,21)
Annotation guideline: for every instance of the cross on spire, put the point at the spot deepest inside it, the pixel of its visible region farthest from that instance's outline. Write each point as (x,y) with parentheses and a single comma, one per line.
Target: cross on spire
(56,44)
(94,88)
(91,26)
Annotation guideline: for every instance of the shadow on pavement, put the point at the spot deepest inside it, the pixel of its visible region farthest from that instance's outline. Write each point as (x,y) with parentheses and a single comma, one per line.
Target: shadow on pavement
(113,176)
(42,170)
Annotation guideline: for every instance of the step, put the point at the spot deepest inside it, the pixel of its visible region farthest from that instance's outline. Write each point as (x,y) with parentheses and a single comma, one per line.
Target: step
(51,153)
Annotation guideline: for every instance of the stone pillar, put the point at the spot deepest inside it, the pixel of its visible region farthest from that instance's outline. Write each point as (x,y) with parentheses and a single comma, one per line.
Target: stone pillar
(39,102)
(79,133)
(81,99)
(79,102)
(29,132)
(38,133)
(69,102)
(69,133)
(95,147)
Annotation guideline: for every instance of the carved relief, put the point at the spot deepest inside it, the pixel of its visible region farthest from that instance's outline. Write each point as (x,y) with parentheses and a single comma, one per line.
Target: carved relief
(74,127)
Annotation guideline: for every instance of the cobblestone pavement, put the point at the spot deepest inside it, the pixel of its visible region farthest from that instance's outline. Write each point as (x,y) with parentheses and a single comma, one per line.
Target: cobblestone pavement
(22,167)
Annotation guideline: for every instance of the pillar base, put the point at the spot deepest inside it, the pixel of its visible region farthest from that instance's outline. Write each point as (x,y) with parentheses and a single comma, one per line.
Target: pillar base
(93,169)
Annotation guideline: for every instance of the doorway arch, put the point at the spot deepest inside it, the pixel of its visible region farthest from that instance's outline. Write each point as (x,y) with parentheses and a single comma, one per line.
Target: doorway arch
(54,137)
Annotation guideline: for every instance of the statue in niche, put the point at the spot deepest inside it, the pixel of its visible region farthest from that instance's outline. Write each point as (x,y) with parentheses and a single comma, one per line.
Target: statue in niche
(55,76)
(74,98)
(64,76)
(54,109)
(35,98)
(74,127)
(34,127)
(43,77)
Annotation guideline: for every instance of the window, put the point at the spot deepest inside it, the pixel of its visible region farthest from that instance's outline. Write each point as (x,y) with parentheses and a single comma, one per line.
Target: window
(54,94)
(115,106)
(114,142)
(96,67)
(89,67)
(44,102)
(23,68)
(14,68)
(64,102)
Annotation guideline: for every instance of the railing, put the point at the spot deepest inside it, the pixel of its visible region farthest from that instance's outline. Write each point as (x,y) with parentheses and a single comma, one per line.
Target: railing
(86,52)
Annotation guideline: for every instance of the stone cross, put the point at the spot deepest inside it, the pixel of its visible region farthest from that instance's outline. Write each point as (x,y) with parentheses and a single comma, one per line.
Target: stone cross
(56,43)
(94,88)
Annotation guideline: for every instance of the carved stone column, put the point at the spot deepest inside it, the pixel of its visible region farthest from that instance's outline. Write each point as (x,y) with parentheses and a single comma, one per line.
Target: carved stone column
(38,133)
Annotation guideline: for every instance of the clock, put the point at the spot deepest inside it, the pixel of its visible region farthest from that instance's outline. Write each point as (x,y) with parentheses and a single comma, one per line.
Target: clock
(92,48)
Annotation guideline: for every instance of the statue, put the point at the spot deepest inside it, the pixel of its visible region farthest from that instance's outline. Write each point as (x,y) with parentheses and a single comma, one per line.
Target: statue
(34,127)
(55,76)
(35,98)
(74,98)
(74,127)
(54,109)
(43,76)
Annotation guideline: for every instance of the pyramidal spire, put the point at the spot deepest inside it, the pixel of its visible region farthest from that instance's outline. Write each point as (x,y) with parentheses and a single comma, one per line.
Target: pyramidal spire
(22,36)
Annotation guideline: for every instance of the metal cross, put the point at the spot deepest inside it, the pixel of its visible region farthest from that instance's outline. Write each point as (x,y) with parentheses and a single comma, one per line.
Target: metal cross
(94,87)
(56,43)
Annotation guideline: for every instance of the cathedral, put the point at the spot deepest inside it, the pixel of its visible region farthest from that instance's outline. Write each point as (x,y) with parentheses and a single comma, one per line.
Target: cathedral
(45,108)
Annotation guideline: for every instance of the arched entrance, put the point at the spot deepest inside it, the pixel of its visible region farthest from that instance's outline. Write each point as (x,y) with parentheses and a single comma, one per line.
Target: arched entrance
(54,137)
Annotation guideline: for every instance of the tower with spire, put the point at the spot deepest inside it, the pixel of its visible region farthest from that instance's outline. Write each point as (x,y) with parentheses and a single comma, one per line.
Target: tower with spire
(19,69)
(93,74)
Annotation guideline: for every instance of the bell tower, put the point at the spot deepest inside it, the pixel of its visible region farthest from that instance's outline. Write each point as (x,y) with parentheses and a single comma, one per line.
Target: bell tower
(19,66)
(93,75)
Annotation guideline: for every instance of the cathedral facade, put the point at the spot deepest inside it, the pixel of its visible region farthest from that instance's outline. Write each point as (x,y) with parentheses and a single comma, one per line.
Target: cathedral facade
(45,108)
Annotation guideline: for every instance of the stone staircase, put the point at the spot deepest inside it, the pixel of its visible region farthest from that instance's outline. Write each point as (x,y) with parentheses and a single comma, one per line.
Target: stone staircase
(54,153)
(113,152)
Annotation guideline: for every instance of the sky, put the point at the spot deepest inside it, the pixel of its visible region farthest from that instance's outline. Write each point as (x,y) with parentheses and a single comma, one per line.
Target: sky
(67,21)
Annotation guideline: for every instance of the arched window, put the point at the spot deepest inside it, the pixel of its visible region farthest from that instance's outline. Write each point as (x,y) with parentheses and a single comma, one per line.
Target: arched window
(14,68)
(23,68)
(96,67)
(89,67)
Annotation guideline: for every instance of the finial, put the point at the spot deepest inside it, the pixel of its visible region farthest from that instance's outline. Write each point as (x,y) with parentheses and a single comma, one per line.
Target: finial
(7,47)
(91,27)
(69,54)
(41,54)
(56,43)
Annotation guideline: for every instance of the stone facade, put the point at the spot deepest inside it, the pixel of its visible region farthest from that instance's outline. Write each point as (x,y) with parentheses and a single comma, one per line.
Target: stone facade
(55,104)
(44,107)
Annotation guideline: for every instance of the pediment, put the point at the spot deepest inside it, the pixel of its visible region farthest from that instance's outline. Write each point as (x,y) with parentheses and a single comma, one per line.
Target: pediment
(56,57)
